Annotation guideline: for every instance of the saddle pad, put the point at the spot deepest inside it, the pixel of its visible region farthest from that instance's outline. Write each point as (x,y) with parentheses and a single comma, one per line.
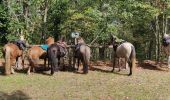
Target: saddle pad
(166,42)
(44,47)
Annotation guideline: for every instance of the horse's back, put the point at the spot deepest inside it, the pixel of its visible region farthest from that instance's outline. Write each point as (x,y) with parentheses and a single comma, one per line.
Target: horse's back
(12,49)
(35,51)
(124,50)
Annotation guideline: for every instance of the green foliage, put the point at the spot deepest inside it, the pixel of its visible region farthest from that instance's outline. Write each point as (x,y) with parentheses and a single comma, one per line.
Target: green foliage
(131,20)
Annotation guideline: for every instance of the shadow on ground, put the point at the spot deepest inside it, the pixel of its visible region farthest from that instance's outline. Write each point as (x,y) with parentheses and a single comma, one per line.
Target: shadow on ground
(16,95)
(152,65)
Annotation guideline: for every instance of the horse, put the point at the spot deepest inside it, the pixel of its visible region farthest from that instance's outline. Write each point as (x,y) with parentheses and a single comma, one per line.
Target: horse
(124,50)
(36,52)
(55,52)
(11,53)
(82,53)
(166,47)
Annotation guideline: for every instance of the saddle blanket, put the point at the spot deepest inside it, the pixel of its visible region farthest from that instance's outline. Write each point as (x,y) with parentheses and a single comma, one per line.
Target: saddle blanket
(44,47)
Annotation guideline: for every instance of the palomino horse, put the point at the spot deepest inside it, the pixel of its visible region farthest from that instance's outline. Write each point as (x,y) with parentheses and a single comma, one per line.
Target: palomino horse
(11,53)
(166,47)
(83,53)
(125,50)
(55,52)
(36,52)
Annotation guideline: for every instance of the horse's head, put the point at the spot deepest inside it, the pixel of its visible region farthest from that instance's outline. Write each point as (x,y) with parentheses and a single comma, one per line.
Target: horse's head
(113,40)
(80,40)
(50,40)
(62,42)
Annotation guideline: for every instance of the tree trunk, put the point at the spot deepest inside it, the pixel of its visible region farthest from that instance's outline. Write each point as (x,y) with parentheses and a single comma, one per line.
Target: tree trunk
(45,20)
(157,48)
(25,11)
(150,50)
(101,53)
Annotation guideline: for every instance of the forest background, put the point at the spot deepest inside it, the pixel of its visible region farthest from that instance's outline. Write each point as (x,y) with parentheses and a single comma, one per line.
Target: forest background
(141,22)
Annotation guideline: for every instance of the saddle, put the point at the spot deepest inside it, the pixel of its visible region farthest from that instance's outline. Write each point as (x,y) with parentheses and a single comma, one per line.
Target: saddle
(21,44)
(62,49)
(166,41)
(77,49)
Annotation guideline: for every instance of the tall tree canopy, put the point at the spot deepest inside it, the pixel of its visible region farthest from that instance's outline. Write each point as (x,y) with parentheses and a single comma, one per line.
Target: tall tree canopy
(142,22)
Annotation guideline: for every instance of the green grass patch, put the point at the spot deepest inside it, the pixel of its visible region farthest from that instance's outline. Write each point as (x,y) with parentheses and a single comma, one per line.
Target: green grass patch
(143,85)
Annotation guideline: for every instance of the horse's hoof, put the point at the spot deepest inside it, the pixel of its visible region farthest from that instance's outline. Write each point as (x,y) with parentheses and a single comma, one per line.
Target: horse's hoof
(28,73)
(112,70)
(52,73)
(130,74)
(12,72)
(85,72)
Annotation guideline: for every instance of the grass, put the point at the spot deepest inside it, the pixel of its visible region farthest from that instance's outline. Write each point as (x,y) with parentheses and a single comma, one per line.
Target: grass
(97,85)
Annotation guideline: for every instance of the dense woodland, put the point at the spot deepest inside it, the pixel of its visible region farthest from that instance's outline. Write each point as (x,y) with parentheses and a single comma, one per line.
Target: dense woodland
(141,22)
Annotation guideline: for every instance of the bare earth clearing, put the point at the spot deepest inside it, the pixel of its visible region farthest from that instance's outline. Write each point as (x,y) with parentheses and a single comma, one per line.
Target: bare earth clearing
(148,82)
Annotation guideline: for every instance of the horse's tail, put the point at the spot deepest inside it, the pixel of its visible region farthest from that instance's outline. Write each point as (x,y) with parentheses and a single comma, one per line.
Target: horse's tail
(54,60)
(133,57)
(6,50)
(86,58)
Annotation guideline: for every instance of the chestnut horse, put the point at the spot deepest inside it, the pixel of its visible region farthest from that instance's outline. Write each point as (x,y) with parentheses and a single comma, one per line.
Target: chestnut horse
(35,53)
(82,53)
(11,53)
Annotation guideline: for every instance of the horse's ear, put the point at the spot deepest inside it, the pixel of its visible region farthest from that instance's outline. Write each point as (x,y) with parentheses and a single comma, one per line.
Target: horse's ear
(112,36)
(62,39)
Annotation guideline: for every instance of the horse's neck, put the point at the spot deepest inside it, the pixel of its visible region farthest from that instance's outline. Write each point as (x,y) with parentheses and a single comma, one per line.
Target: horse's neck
(62,44)
(115,47)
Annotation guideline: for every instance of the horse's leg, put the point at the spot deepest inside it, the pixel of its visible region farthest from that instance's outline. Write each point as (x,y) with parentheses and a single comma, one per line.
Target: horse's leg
(168,61)
(85,68)
(130,65)
(126,64)
(119,64)
(45,59)
(28,71)
(54,65)
(16,63)
(74,63)
(59,64)
(78,64)
(85,64)
(11,68)
(114,61)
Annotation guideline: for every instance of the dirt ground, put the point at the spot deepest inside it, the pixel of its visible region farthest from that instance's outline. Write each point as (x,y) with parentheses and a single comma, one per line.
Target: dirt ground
(107,65)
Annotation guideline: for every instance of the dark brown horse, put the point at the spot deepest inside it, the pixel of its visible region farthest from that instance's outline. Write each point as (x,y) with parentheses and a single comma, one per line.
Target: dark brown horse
(82,53)
(36,52)
(55,52)
(11,54)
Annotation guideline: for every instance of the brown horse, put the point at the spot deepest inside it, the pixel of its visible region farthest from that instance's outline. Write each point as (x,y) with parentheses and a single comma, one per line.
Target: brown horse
(11,54)
(83,53)
(36,52)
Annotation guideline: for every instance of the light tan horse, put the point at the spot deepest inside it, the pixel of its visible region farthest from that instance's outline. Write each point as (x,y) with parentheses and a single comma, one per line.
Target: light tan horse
(11,54)
(35,53)
(82,53)
(166,47)
(125,50)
